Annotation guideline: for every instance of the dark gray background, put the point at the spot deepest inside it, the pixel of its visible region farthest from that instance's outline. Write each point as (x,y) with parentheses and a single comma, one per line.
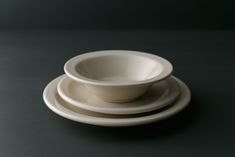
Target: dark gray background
(103,14)
(204,60)
(38,36)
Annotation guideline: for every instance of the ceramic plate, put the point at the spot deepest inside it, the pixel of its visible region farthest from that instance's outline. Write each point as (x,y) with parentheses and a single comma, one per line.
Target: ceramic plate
(60,107)
(160,95)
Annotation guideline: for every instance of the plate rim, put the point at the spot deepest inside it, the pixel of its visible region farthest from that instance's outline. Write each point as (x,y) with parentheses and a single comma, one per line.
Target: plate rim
(119,111)
(179,105)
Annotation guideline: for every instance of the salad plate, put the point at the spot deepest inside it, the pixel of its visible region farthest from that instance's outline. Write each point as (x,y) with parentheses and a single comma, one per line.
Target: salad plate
(158,96)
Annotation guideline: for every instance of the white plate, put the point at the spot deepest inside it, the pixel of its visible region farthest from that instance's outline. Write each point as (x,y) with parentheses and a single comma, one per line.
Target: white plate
(60,107)
(160,95)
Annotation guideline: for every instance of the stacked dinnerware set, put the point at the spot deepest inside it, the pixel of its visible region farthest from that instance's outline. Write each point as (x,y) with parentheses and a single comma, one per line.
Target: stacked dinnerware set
(116,88)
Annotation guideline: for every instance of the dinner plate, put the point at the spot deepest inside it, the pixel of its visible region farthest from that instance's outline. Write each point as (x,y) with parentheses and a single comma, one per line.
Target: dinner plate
(160,95)
(66,110)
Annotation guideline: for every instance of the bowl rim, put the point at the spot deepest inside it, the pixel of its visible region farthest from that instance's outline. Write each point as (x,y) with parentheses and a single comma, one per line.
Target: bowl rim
(71,71)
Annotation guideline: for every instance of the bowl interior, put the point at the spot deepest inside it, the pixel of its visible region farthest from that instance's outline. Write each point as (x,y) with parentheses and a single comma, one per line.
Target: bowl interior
(119,68)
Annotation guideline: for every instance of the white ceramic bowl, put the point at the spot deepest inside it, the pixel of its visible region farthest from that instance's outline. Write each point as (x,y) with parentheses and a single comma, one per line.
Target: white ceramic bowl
(118,75)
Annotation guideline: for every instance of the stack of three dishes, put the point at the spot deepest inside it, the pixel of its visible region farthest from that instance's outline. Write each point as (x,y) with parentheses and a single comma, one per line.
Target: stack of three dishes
(116,88)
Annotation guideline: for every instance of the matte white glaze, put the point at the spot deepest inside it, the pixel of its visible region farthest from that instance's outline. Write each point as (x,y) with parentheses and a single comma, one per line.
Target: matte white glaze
(118,75)
(160,95)
(66,110)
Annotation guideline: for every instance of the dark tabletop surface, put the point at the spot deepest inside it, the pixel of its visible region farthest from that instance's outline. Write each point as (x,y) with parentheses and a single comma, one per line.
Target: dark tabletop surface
(205,60)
